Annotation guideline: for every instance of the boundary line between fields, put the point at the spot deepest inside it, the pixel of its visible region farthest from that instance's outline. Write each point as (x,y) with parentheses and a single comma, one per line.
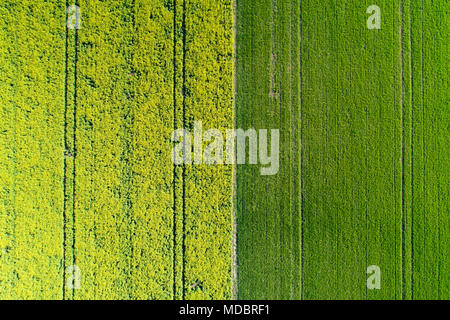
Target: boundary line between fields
(174,240)
(234,239)
(302,258)
(176,178)
(68,45)
(407,131)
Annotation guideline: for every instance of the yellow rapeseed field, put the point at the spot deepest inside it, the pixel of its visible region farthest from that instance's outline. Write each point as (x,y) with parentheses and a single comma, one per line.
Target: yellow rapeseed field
(88,190)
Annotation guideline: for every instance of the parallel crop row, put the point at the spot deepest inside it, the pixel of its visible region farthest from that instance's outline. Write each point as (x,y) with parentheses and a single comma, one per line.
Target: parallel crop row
(87,181)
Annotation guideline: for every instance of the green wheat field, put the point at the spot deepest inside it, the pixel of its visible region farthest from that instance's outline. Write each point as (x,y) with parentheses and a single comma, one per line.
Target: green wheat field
(92,205)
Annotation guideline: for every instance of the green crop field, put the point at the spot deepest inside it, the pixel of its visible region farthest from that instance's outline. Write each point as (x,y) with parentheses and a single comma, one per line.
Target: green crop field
(92,205)
(363,180)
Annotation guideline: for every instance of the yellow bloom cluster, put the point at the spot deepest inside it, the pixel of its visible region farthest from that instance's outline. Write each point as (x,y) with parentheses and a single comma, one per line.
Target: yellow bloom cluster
(31,148)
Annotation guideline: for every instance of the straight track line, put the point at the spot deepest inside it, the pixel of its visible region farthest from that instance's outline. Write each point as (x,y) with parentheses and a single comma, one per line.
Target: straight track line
(183,27)
(423,132)
(174,243)
(66,66)
(403,149)
(393,166)
(301,157)
(291,187)
(75,96)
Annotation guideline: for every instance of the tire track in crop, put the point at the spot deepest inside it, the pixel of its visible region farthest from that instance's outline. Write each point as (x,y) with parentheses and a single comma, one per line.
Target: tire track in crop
(127,142)
(74,156)
(412,147)
(174,93)
(183,246)
(179,170)
(70,92)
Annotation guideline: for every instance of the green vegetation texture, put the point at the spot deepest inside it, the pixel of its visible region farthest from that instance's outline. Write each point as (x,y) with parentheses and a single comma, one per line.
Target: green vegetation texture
(363,118)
